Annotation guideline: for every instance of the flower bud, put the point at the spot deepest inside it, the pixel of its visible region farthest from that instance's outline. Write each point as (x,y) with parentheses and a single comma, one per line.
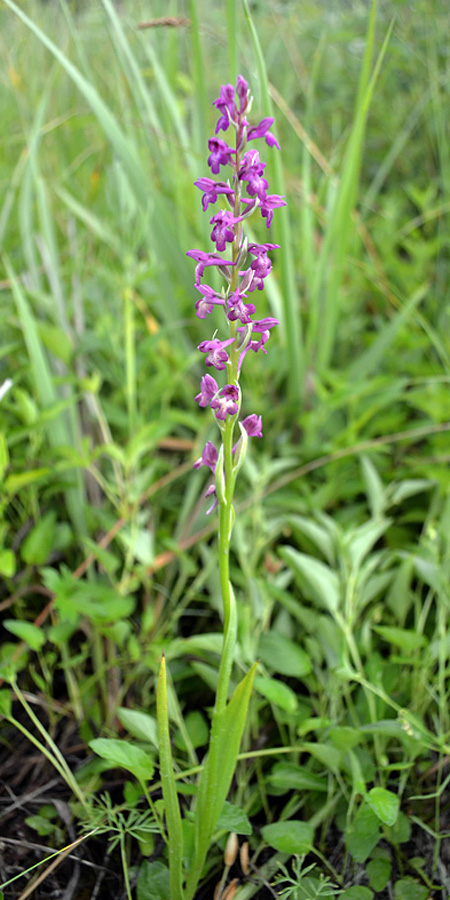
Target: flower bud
(244,858)
(230,891)
(231,849)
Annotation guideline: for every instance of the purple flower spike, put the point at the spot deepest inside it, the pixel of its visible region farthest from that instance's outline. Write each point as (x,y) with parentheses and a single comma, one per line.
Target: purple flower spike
(221,155)
(211,189)
(226,404)
(253,425)
(217,355)
(223,230)
(208,390)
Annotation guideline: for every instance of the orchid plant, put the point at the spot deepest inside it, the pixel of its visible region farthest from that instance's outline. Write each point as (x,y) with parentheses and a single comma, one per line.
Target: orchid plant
(244,268)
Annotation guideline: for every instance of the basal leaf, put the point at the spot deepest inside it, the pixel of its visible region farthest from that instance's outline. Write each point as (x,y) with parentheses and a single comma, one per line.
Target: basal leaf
(291,836)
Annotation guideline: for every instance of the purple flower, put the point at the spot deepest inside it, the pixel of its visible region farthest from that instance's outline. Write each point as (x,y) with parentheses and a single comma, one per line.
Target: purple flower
(220,154)
(211,492)
(256,184)
(251,160)
(226,404)
(208,457)
(208,259)
(261,265)
(253,425)
(211,190)
(262,130)
(223,230)
(217,355)
(268,204)
(208,390)
(242,92)
(237,309)
(226,106)
(204,306)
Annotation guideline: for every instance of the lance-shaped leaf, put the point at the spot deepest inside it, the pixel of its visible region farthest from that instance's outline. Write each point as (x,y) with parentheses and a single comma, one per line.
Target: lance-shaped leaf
(226,733)
(169,790)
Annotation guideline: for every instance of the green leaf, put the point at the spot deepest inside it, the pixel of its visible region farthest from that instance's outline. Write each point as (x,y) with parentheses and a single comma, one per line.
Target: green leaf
(153,881)
(322,582)
(139,724)
(226,733)
(289,776)
(363,834)
(385,805)
(409,889)
(378,873)
(197,730)
(7,563)
(363,538)
(5,704)
(39,542)
(282,655)
(124,755)
(277,692)
(328,756)
(357,892)
(399,833)
(374,486)
(291,836)
(407,640)
(234,819)
(26,631)
(169,789)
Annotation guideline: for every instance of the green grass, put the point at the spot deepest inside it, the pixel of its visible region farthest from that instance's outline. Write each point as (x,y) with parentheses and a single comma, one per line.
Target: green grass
(341,551)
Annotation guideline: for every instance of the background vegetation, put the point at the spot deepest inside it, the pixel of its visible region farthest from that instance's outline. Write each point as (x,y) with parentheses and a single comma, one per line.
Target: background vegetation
(341,549)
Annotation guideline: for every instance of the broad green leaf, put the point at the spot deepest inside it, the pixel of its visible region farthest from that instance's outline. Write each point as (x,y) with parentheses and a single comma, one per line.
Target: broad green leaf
(289,776)
(405,638)
(234,819)
(169,790)
(139,724)
(282,655)
(197,731)
(321,581)
(5,703)
(124,755)
(26,631)
(385,805)
(328,756)
(362,539)
(7,563)
(154,881)
(357,892)
(316,533)
(409,488)
(363,834)
(409,889)
(40,540)
(374,487)
(276,692)
(16,483)
(291,836)
(378,873)
(399,833)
